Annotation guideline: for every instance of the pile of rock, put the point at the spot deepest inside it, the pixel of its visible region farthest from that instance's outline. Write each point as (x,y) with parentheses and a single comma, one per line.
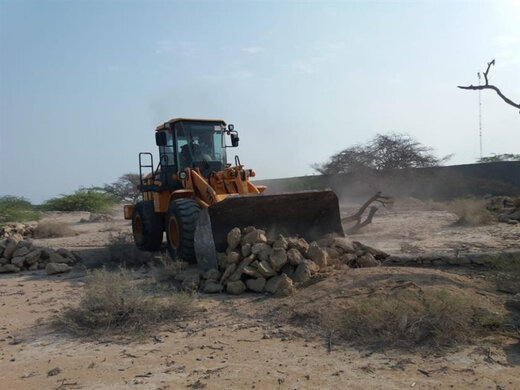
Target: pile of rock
(506,208)
(17,255)
(252,262)
(17,230)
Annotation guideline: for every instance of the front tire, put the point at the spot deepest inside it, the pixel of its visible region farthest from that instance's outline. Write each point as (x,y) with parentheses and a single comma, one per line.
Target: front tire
(147,227)
(181,221)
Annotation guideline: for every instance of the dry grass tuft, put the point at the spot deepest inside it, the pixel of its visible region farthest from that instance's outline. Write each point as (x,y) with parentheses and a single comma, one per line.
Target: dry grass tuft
(471,212)
(123,252)
(51,229)
(168,270)
(114,303)
(409,318)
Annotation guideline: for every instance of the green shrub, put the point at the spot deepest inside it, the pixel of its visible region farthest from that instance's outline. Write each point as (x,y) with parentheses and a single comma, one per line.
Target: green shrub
(16,209)
(114,303)
(81,200)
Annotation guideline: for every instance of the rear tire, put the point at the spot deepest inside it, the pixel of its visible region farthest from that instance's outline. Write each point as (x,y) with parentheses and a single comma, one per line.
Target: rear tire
(181,221)
(147,227)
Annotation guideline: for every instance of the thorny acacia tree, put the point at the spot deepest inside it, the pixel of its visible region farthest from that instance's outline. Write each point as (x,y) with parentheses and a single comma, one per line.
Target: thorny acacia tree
(125,188)
(490,86)
(384,152)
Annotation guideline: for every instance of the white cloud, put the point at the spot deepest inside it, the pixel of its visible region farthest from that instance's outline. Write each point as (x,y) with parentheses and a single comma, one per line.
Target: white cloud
(253,49)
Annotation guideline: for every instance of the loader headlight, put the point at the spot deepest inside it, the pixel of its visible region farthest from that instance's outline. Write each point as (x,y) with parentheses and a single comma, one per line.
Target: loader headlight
(182,175)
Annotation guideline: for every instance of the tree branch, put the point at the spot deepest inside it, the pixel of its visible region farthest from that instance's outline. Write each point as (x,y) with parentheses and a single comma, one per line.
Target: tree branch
(490,86)
(378,197)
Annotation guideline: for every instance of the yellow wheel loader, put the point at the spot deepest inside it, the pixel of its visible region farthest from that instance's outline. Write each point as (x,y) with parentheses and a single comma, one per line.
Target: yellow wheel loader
(197,197)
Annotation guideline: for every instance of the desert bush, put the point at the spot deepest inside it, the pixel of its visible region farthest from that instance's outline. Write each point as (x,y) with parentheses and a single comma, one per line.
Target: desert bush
(471,212)
(507,272)
(16,209)
(168,269)
(408,318)
(52,229)
(123,252)
(114,303)
(81,200)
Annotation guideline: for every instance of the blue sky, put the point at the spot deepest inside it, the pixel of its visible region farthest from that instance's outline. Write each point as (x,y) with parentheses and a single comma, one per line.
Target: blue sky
(83,84)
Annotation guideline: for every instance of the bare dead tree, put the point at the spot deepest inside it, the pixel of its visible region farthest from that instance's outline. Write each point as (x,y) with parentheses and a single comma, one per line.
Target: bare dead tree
(385,201)
(490,86)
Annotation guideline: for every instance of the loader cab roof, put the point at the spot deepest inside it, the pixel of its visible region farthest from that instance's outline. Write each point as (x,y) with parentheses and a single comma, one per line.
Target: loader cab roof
(175,120)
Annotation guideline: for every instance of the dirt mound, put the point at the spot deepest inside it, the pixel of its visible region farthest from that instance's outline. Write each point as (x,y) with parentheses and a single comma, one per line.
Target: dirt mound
(395,307)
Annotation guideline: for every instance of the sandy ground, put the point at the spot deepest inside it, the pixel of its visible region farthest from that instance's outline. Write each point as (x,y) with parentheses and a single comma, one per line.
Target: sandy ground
(245,342)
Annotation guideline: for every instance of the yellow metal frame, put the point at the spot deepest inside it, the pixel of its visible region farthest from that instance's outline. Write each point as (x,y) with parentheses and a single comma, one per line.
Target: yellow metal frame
(218,186)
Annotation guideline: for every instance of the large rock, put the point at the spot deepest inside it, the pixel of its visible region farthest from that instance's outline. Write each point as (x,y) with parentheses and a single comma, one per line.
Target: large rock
(317,254)
(280,285)
(245,250)
(56,268)
(298,243)
(3,261)
(21,252)
(54,257)
(332,253)
(287,269)
(8,268)
(233,238)
(261,250)
(240,268)
(304,271)
(265,269)
(212,287)
(251,271)
(67,254)
(278,259)
(253,237)
(280,242)
(367,260)
(294,256)
(256,285)
(10,247)
(233,257)
(301,274)
(236,287)
(227,273)
(32,257)
(212,274)
(343,244)
(18,261)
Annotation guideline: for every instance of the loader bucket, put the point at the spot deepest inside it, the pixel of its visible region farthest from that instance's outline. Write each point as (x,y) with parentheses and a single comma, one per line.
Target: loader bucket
(307,214)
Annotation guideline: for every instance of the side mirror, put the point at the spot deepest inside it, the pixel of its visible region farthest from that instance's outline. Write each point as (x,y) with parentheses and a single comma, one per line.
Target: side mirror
(234,140)
(160,138)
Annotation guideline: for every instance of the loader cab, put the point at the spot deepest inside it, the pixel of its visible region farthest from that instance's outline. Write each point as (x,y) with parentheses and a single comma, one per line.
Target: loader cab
(186,143)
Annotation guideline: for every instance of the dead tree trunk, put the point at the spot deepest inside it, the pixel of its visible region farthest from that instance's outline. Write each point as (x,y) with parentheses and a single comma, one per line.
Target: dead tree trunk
(358,216)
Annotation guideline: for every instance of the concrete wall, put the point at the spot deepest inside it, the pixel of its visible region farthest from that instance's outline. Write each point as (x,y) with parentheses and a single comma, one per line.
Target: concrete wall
(440,183)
